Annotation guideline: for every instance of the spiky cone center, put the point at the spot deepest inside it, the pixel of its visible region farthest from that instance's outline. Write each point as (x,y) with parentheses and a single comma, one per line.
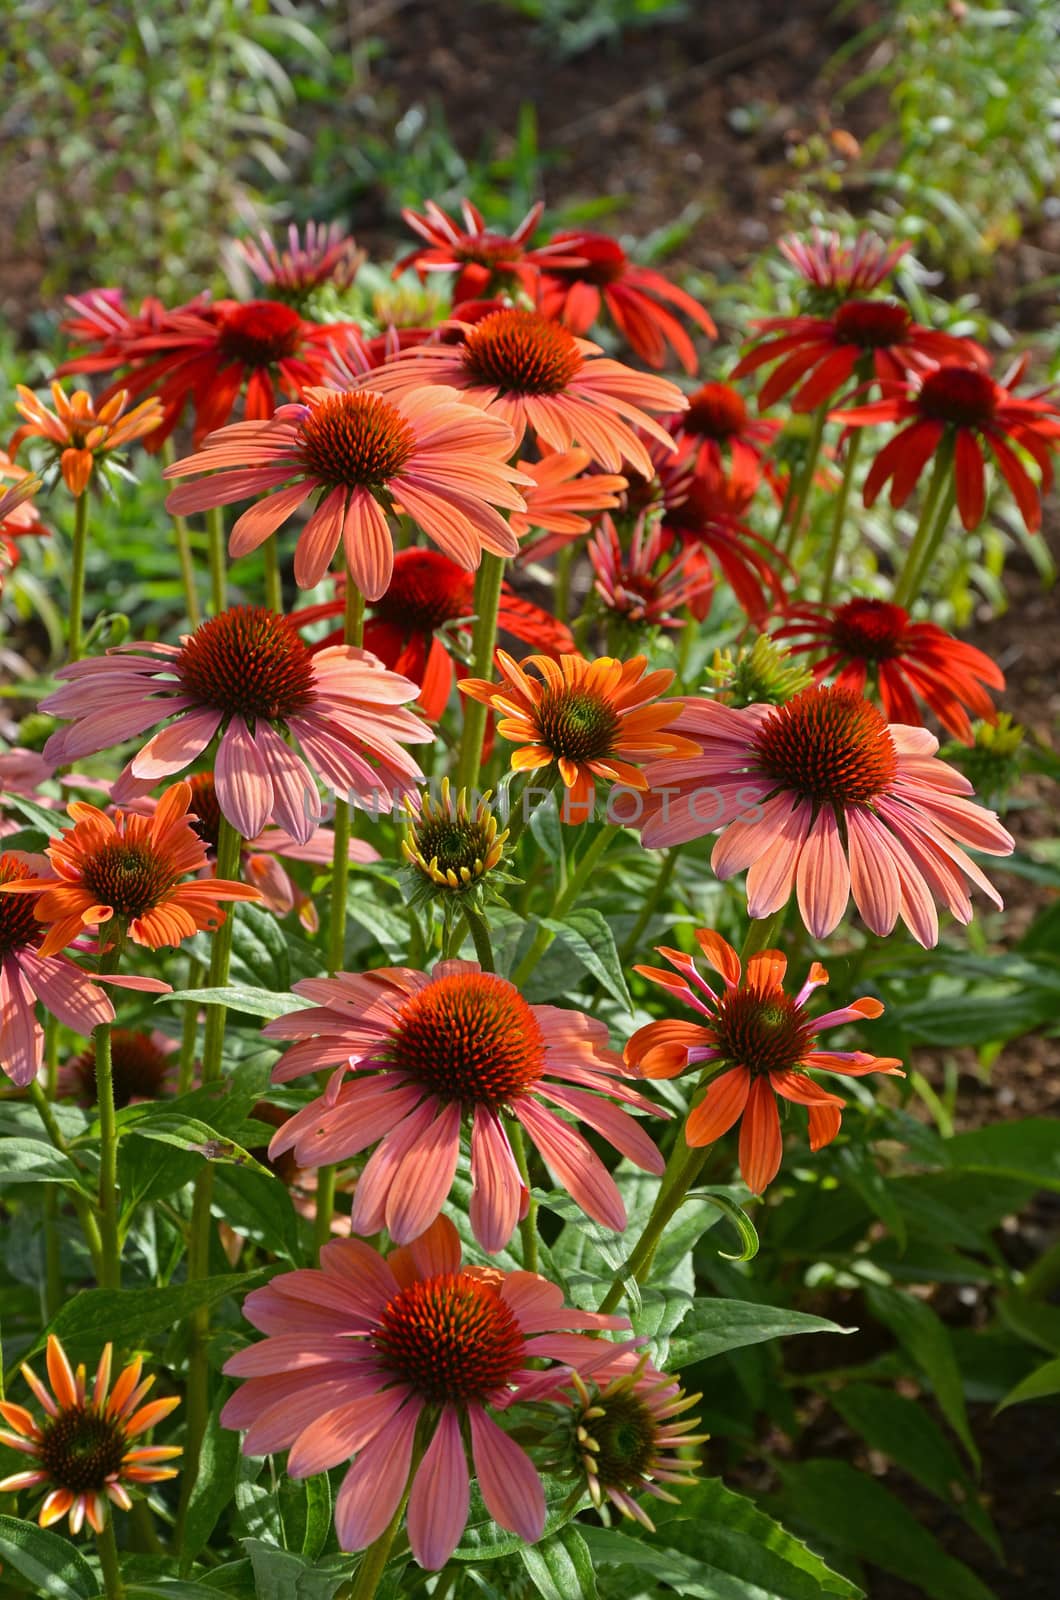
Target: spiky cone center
(716,411)
(577,725)
(872,324)
(248,662)
(427,590)
(131,878)
(619,1435)
(962,396)
(829,745)
(18,925)
(204,809)
(764,1033)
(81,1450)
(356,440)
(520,352)
(870,630)
(451,1338)
(469,1037)
(260,333)
(138,1068)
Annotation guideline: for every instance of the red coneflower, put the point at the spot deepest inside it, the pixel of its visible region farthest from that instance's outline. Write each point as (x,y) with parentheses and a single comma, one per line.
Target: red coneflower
(840,269)
(536,375)
(637,298)
(83,1446)
(718,429)
(965,405)
(589,719)
(484,261)
(364,1351)
(760,1042)
(80,433)
(633,587)
(907,659)
(559,494)
(246,675)
(131,870)
(18,514)
(441,1055)
(821,796)
(144,1067)
(361,453)
(704,511)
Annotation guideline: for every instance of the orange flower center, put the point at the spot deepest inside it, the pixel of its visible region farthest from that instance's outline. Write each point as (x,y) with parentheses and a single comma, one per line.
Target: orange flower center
(871,630)
(260,333)
(577,725)
(18,926)
(451,1338)
(829,745)
(717,411)
(204,811)
(765,1033)
(471,1038)
(137,1064)
(963,396)
(129,878)
(873,324)
(248,662)
(356,440)
(520,352)
(80,1450)
(427,590)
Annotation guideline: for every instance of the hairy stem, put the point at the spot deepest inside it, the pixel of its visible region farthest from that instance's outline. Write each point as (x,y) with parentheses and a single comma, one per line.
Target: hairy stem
(215,535)
(184,555)
(77,576)
(483,642)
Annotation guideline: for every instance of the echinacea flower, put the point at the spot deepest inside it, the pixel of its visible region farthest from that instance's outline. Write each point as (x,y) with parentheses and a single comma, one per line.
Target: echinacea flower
(441,461)
(624,1431)
(18,515)
(632,585)
(717,427)
(144,1067)
(422,624)
(483,260)
(132,871)
(27,976)
(820,355)
(325,255)
(83,1447)
(907,660)
(704,509)
(434,1054)
(246,675)
(559,494)
(965,406)
(365,1352)
(536,375)
(638,299)
(450,847)
(759,1042)
(821,796)
(828,264)
(80,434)
(588,719)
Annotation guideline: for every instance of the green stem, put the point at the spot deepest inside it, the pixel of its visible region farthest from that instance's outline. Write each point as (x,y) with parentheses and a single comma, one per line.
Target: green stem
(184,555)
(189,1028)
(586,865)
(802,494)
(480,935)
(528,1225)
(924,539)
(53,1274)
(762,934)
(839,514)
(662,882)
(785,506)
(108,1136)
(77,575)
(483,642)
(273,580)
(682,1170)
(107,1550)
(520,813)
(564,568)
(85,1214)
(215,537)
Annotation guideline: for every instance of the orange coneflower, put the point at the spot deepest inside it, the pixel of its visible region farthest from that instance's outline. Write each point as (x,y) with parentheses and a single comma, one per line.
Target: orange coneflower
(79,433)
(558,498)
(82,1446)
(592,719)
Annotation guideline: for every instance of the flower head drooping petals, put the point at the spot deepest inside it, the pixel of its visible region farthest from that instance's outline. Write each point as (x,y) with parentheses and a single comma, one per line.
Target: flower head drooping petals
(589,719)
(81,434)
(364,1351)
(558,498)
(823,798)
(362,453)
(324,255)
(837,269)
(433,1055)
(246,675)
(643,586)
(484,261)
(82,1450)
(759,1042)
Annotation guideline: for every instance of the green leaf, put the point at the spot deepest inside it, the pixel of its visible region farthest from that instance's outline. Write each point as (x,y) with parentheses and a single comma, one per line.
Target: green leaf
(1029,1150)
(561,1568)
(1037,1385)
(317,1515)
(142,1315)
(212,1490)
(857,1516)
(259,949)
(255,1002)
(281,1574)
(49,822)
(588,935)
(258,1204)
(198,1138)
(483,1540)
(925,1340)
(716,1325)
(169,1589)
(53,1565)
(34,1161)
(746,1231)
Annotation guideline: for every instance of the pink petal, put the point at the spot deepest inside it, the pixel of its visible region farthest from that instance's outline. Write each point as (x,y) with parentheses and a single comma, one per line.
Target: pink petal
(497,1195)
(319,540)
(823,877)
(21,1036)
(372,1489)
(367,544)
(337,1435)
(438,1504)
(422,1181)
(509,1482)
(244,788)
(177,746)
(575,1163)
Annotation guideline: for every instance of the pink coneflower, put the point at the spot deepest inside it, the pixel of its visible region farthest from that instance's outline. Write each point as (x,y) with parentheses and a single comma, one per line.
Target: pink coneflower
(560,493)
(536,375)
(27,976)
(760,1043)
(247,676)
(443,462)
(484,261)
(827,264)
(363,1353)
(907,659)
(641,586)
(434,1054)
(822,796)
(325,255)
(639,300)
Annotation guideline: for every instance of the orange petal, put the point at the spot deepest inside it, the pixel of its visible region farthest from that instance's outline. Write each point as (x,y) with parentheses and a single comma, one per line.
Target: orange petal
(722,1105)
(761,1143)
